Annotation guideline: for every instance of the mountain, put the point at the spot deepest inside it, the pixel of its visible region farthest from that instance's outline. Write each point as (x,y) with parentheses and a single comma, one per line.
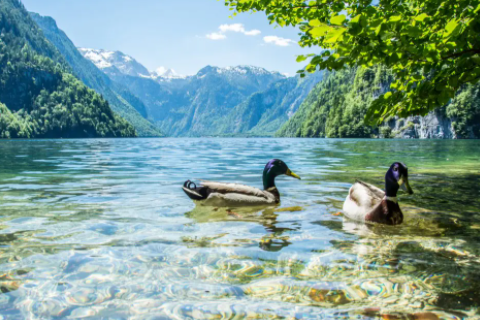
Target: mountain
(108,60)
(213,93)
(264,112)
(39,96)
(336,108)
(114,62)
(165,74)
(120,98)
(196,105)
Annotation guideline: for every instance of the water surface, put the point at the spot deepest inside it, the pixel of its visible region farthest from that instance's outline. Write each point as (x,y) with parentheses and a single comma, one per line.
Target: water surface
(102,229)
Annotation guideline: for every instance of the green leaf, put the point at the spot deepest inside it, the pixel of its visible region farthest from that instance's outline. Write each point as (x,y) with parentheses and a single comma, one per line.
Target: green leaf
(395,18)
(450,27)
(320,31)
(316,60)
(334,36)
(476,59)
(314,23)
(301,58)
(356,19)
(453,81)
(413,32)
(443,97)
(421,17)
(417,77)
(338,20)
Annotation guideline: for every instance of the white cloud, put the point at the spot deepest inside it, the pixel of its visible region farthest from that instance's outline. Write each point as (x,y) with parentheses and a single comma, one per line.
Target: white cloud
(253,32)
(278,41)
(216,36)
(235,27)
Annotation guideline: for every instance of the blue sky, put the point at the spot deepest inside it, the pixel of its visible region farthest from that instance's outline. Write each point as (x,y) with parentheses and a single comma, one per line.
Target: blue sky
(184,35)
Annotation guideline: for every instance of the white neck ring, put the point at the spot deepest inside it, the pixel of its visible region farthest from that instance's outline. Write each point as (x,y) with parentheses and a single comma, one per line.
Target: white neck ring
(393,199)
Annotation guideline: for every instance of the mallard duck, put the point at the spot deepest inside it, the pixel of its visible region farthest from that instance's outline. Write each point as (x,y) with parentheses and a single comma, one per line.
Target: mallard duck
(220,194)
(367,203)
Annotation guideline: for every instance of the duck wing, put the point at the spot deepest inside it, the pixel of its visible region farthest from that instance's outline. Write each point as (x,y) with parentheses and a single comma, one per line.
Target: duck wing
(365,196)
(228,194)
(237,200)
(362,199)
(234,188)
(372,190)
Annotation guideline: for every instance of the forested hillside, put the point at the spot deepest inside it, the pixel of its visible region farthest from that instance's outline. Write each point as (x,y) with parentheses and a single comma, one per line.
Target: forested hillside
(264,112)
(39,96)
(336,108)
(120,98)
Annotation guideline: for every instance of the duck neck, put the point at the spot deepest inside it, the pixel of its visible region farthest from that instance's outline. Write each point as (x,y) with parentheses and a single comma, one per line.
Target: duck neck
(392,199)
(268,180)
(391,189)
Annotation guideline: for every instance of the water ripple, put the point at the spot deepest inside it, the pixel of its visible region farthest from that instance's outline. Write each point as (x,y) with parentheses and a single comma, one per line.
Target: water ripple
(101,228)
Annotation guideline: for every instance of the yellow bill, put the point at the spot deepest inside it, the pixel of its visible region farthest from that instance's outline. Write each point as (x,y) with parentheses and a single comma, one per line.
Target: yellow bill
(406,186)
(292,174)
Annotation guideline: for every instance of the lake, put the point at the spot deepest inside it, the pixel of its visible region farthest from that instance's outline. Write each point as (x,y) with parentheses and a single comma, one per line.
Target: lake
(101,228)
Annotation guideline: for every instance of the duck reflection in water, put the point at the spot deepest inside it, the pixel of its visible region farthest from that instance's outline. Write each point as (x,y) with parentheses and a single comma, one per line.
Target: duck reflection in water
(275,240)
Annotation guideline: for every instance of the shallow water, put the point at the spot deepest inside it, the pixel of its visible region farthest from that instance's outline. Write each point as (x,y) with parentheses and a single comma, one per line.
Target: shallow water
(102,229)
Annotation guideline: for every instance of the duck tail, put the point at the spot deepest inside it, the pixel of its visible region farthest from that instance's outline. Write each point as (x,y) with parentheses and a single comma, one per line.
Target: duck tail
(194,193)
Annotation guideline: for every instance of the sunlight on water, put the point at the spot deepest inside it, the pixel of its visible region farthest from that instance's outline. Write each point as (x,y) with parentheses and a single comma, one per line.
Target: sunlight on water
(101,228)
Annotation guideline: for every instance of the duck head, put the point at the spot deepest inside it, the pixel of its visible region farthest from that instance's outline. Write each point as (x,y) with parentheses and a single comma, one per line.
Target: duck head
(396,177)
(273,169)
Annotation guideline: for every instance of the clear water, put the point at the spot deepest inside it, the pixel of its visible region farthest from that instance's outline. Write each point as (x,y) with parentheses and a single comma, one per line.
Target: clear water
(102,229)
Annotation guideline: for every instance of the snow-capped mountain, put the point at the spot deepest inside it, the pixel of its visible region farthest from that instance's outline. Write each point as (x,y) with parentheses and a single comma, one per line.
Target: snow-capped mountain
(111,61)
(238,71)
(216,100)
(165,73)
(105,60)
(197,105)
(115,61)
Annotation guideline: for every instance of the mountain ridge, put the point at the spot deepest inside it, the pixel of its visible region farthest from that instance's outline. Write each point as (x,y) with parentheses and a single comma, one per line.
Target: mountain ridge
(121,100)
(194,105)
(39,95)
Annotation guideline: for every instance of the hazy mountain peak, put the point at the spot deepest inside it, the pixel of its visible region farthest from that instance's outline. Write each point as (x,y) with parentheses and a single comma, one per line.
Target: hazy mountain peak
(166,73)
(240,69)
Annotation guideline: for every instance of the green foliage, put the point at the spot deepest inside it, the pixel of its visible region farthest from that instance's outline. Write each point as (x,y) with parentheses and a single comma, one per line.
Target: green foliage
(432,47)
(465,112)
(408,126)
(39,97)
(386,132)
(336,107)
(12,125)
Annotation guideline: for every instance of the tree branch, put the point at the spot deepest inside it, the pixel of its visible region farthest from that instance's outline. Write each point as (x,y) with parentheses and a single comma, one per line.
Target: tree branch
(458,54)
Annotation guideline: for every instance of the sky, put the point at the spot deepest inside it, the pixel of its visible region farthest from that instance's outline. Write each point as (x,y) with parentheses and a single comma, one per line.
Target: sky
(184,35)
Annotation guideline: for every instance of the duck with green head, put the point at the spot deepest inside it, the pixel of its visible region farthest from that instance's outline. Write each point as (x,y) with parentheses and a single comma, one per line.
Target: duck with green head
(367,203)
(220,194)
